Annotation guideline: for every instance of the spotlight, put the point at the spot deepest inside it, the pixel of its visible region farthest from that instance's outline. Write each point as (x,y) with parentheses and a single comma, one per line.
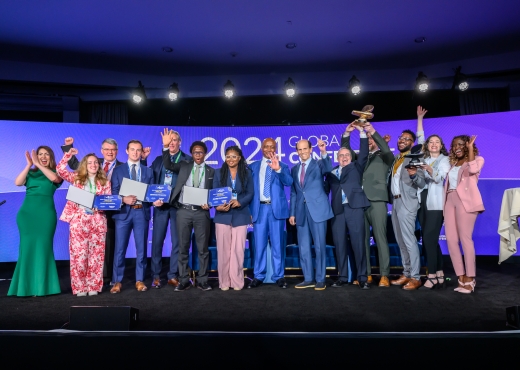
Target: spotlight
(290,88)
(460,81)
(229,89)
(354,85)
(422,83)
(139,94)
(173,91)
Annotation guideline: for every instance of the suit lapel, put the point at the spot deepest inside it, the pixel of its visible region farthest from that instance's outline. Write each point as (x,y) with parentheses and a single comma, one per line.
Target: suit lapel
(308,171)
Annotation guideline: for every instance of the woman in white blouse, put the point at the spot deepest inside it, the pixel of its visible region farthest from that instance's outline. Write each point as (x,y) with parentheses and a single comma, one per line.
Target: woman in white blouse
(430,213)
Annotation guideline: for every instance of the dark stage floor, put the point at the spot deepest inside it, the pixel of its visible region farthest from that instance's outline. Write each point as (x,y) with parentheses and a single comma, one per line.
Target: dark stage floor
(271,309)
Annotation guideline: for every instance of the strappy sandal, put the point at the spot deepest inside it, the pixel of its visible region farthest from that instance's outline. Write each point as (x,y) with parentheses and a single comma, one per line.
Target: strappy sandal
(471,284)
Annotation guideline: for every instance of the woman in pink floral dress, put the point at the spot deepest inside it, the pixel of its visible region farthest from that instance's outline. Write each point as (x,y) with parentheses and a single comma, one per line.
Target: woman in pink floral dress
(87,226)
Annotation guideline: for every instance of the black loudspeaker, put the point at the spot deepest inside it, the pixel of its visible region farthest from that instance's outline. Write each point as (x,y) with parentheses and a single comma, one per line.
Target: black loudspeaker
(513,317)
(103,318)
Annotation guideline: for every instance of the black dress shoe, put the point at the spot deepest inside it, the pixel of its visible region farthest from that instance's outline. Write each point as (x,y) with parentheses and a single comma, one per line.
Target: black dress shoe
(281,283)
(204,286)
(182,287)
(339,283)
(364,286)
(255,283)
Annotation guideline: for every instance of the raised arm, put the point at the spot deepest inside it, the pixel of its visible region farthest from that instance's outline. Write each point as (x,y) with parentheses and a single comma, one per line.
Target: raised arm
(345,140)
(73,161)
(280,170)
(325,162)
(22,176)
(386,154)
(420,129)
(51,175)
(61,167)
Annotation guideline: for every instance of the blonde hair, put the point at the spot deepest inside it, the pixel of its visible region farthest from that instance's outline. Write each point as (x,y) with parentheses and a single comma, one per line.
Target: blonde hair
(82,173)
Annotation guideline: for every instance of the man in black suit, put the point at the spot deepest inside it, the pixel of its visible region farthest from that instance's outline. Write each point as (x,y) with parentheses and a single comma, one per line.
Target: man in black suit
(348,205)
(192,173)
(166,213)
(108,162)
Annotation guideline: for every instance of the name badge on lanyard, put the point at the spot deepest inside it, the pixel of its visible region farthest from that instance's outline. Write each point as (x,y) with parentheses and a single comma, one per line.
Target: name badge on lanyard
(168,178)
(234,194)
(92,189)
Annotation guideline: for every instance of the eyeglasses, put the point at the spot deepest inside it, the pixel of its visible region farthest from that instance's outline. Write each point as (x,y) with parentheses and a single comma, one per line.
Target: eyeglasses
(403,138)
(343,155)
(232,156)
(198,153)
(109,150)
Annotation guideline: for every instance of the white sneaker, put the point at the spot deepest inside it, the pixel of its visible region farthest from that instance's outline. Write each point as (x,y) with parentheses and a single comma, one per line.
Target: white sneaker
(92,293)
(82,294)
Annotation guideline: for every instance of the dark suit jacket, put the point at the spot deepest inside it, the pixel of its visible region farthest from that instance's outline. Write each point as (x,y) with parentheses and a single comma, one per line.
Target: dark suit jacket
(236,216)
(159,171)
(118,175)
(376,169)
(349,182)
(183,169)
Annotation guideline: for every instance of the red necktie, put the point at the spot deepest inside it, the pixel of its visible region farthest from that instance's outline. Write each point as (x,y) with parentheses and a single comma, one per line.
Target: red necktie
(302,174)
(107,166)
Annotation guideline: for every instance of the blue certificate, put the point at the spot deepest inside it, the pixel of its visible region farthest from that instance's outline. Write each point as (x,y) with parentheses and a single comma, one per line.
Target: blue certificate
(158,192)
(108,202)
(219,196)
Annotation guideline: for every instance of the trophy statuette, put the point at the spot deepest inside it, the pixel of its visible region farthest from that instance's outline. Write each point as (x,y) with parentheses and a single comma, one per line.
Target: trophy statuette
(364,114)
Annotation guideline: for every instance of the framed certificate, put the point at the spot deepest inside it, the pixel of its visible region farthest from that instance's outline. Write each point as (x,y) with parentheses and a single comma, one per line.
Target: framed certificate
(108,202)
(158,192)
(219,196)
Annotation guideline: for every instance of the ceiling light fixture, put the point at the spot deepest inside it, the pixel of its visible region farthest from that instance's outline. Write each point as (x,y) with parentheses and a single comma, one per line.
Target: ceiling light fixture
(229,89)
(422,83)
(460,80)
(354,85)
(290,88)
(139,94)
(173,92)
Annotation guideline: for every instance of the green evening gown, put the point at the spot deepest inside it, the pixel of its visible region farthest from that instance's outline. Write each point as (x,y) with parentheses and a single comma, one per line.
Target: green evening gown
(36,273)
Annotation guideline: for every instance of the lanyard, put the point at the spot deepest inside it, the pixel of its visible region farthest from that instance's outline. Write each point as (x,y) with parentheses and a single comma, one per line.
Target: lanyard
(233,183)
(111,166)
(138,173)
(178,157)
(91,186)
(201,175)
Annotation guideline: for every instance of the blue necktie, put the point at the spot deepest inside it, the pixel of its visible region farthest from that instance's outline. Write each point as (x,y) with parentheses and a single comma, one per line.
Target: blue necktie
(343,196)
(133,173)
(171,160)
(267,182)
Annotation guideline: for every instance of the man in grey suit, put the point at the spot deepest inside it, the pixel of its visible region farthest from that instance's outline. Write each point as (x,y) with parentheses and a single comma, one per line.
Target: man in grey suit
(403,184)
(380,159)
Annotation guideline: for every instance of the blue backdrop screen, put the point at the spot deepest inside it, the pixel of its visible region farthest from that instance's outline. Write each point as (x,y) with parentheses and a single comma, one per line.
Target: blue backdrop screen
(498,142)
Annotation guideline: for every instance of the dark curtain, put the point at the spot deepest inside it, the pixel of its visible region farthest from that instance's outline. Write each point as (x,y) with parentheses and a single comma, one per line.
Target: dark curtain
(484,101)
(115,113)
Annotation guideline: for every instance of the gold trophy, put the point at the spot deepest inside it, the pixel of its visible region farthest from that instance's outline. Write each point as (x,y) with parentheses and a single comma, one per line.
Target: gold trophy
(364,114)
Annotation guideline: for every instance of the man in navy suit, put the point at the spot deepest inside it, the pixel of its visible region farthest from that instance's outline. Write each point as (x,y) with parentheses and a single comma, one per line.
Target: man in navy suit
(348,204)
(164,214)
(269,210)
(133,216)
(310,210)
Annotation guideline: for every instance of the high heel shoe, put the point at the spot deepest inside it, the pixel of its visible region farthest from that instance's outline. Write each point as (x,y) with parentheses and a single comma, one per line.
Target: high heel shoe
(458,288)
(434,284)
(471,284)
(443,284)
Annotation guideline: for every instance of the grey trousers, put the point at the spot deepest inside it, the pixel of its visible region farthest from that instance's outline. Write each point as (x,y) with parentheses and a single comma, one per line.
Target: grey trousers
(376,216)
(199,221)
(403,222)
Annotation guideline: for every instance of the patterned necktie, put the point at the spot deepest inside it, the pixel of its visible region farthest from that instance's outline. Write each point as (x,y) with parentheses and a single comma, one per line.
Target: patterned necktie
(172,161)
(196,176)
(106,168)
(267,182)
(302,175)
(133,173)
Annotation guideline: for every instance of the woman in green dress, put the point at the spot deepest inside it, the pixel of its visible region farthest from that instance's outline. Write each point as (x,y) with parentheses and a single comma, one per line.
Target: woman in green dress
(35,273)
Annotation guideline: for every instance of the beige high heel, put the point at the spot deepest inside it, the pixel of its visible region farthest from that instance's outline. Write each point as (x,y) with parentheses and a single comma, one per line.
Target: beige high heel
(471,284)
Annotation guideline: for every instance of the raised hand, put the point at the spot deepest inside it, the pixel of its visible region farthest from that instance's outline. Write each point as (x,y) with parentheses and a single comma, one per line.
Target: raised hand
(387,138)
(73,151)
(167,137)
(69,140)
(35,159)
(275,163)
(351,127)
(322,146)
(28,159)
(471,141)
(369,129)
(146,152)
(421,112)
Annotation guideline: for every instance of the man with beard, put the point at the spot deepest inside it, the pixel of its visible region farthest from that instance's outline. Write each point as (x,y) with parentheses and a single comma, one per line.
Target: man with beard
(403,185)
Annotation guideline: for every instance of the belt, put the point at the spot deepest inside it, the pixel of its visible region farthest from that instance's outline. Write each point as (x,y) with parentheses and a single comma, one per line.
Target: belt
(451,190)
(136,206)
(190,207)
(397,196)
(265,202)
